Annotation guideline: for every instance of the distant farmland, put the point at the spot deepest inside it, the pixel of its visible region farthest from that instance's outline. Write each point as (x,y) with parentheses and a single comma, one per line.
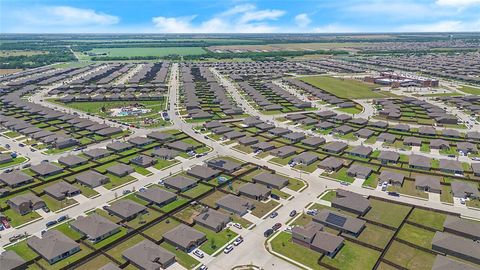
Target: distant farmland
(143,52)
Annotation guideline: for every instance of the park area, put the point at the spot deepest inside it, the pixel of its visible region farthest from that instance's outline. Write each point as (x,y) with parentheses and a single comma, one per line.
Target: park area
(142,52)
(345,88)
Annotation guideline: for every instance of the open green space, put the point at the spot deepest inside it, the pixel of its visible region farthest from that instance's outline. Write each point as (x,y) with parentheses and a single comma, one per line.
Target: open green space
(386,213)
(416,235)
(409,257)
(353,256)
(470,90)
(344,88)
(135,52)
(215,240)
(427,218)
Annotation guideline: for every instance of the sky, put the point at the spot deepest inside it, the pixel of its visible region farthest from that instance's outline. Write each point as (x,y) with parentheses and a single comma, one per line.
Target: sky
(238,16)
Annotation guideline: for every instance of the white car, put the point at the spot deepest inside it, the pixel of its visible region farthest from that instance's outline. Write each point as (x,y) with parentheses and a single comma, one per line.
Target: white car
(238,241)
(237,225)
(198,253)
(202,267)
(228,249)
(463,201)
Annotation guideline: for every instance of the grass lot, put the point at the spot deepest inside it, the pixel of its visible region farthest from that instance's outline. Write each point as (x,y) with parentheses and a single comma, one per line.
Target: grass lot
(262,208)
(159,52)
(13,162)
(344,88)
(376,235)
(353,256)
(215,240)
(197,191)
(416,235)
(143,219)
(96,263)
(162,164)
(470,90)
(174,205)
(329,195)
(65,229)
(157,231)
(387,213)
(111,238)
(409,257)
(212,198)
(23,250)
(408,188)
(428,218)
(116,181)
(187,214)
(341,175)
(16,219)
(283,244)
(56,205)
(181,257)
(86,191)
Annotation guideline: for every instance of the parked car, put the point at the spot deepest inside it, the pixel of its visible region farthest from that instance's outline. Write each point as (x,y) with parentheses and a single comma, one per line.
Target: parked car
(238,241)
(274,196)
(51,223)
(228,249)
(273,214)
(142,189)
(62,218)
(198,253)
(1,227)
(202,267)
(21,145)
(46,209)
(312,212)
(268,232)
(463,201)
(43,232)
(126,191)
(237,225)
(277,226)
(161,182)
(395,194)
(293,213)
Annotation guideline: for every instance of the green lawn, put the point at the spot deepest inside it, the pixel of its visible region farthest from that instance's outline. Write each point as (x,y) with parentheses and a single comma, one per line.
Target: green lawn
(116,181)
(111,238)
(215,240)
(23,250)
(142,52)
(117,250)
(470,90)
(428,218)
(408,257)
(56,205)
(68,231)
(197,191)
(353,256)
(174,205)
(16,219)
(344,88)
(13,162)
(416,235)
(262,208)
(387,213)
(329,195)
(96,263)
(84,251)
(162,164)
(283,244)
(376,235)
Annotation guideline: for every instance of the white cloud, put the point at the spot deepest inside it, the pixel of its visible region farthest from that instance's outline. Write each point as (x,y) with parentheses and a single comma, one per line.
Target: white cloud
(64,16)
(245,18)
(442,26)
(457,3)
(302,20)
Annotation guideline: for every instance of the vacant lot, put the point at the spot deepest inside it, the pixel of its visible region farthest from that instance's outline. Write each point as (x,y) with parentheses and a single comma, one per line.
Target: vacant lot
(133,52)
(344,88)
(470,90)
(387,213)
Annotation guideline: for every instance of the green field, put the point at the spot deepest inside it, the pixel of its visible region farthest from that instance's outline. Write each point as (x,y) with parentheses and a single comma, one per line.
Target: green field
(470,90)
(344,88)
(142,52)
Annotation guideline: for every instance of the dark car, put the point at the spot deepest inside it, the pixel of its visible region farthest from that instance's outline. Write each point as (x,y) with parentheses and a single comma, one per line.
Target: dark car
(277,226)
(275,196)
(62,218)
(293,213)
(395,194)
(268,232)
(51,223)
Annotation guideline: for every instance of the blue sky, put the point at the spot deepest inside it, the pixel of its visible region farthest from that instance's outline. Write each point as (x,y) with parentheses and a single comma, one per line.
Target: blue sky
(238,16)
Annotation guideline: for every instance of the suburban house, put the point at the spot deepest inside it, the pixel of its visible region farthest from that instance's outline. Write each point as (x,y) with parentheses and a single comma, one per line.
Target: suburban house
(428,183)
(62,190)
(347,224)
(157,196)
(180,183)
(257,192)
(184,237)
(212,219)
(95,227)
(148,255)
(54,246)
(351,202)
(234,204)
(126,209)
(92,179)
(271,180)
(312,236)
(26,203)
